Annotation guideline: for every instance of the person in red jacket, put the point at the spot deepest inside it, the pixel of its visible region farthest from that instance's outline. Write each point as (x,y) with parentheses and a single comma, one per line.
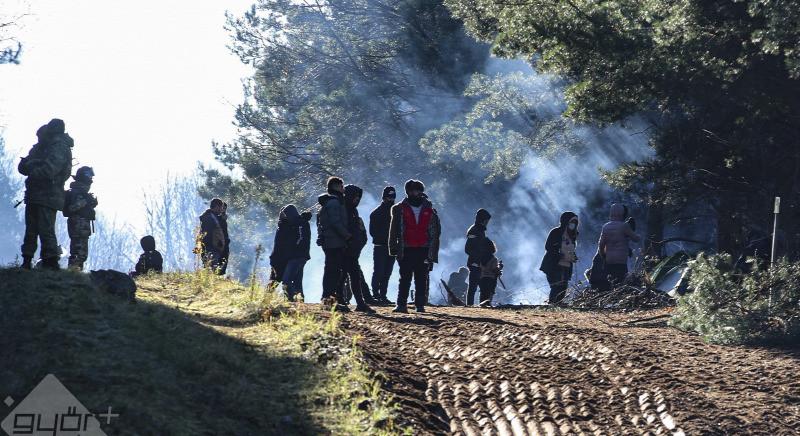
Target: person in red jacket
(414,239)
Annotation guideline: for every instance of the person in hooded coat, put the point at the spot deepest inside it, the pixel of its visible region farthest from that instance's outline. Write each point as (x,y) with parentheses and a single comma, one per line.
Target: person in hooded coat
(291,250)
(351,268)
(226,252)
(476,249)
(332,236)
(212,236)
(560,256)
(151,260)
(414,239)
(614,245)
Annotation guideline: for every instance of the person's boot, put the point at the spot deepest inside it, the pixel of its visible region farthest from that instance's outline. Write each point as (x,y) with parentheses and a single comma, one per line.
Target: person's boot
(420,309)
(364,308)
(400,309)
(343,308)
(27,262)
(51,264)
(370,300)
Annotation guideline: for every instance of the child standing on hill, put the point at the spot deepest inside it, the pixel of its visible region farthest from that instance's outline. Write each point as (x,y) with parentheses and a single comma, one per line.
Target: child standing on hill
(79,207)
(491,269)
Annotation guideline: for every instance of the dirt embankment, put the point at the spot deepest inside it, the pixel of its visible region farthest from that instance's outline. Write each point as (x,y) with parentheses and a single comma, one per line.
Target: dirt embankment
(473,371)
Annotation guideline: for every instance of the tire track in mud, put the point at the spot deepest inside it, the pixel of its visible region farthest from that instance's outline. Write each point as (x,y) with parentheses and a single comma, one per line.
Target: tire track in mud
(527,374)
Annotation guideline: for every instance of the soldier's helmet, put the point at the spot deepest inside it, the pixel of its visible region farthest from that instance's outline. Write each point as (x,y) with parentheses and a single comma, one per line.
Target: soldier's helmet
(84,173)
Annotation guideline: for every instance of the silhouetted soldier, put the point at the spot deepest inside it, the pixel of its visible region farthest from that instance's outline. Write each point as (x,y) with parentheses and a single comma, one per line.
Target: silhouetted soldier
(212,236)
(476,249)
(151,260)
(47,167)
(79,207)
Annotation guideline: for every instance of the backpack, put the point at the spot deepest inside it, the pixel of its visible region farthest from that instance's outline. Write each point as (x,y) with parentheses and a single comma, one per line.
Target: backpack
(69,198)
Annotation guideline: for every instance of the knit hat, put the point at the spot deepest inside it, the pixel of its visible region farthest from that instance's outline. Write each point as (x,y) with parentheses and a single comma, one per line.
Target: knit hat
(389,192)
(412,184)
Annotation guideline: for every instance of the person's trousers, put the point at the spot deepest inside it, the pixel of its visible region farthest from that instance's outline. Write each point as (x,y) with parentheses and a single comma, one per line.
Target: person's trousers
(474,282)
(412,265)
(383,265)
(223,261)
(616,273)
(332,275)
(558,280)
(488,286)
(40,225)
(212,259)
(293,278)
(351,270)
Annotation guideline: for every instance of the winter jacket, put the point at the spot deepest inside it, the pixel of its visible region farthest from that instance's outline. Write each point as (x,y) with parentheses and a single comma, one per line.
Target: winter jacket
(476,246)
(47,167)
(614,237)
(379,221)
(552,247)
(212,235)
(150,260)
(398,229)
(78,202)
(355,225)
(332,221)
(293,237)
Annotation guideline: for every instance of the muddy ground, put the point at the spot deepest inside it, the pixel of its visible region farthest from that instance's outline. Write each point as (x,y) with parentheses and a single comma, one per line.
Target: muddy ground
(482,371)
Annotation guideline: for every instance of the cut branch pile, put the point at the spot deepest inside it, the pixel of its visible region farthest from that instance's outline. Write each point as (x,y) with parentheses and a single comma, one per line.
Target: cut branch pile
(625,297)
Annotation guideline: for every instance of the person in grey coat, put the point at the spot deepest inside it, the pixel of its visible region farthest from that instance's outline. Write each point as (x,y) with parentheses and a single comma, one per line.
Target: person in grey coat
(332,236)
(614,244)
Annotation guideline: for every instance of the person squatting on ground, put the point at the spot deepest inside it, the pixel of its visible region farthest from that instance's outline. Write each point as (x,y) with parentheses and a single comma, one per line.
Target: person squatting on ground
(476,248)
(614,244)
(457,285)
(491,270)
(226,252)
(560,256)
(151,260)
(414,239)
(351,269)
(79,206)
(47,167)
(212,236)
(383,262)
(332,236)
(291,250)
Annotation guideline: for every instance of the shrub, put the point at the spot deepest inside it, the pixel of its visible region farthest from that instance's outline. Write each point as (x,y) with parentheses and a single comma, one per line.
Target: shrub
(729,306)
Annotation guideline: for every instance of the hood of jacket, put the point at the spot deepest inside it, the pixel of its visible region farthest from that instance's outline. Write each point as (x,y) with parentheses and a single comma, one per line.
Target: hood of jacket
(617,212)
(289,213)
(148,243)
(565,218)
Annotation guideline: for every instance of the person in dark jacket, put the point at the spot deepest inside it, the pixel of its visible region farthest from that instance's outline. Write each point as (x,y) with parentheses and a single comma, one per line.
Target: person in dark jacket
(226,252)
(332,236)
(151,260)
(47,167)
(383,262)
(491,270)
(476,249)
(414,239)
(212,236)
(79,206)
(560,256)
(291,250)
(351,268)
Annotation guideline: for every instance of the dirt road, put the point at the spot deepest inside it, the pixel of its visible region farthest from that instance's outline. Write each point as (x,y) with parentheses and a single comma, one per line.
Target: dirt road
(479,371)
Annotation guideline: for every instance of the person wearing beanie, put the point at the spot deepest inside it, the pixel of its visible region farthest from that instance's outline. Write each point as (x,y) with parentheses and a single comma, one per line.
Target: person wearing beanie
(151,260)
(414,239)
(560,256)
(476,249)
(383,262)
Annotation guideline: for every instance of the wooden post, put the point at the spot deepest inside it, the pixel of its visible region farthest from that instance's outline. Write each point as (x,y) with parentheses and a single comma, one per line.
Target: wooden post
(777,211)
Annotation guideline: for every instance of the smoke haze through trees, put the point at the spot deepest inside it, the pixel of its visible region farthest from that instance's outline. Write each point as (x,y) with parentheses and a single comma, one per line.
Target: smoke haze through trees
(379,92)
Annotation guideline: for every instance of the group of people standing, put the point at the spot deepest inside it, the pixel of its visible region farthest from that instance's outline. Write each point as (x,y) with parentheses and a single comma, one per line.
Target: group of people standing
(407,232)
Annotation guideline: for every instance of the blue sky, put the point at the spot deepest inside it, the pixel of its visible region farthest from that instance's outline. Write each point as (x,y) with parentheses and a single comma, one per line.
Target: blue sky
(144,87)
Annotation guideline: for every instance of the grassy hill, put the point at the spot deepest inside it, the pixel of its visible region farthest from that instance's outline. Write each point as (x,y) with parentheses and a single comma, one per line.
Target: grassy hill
(195,355)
